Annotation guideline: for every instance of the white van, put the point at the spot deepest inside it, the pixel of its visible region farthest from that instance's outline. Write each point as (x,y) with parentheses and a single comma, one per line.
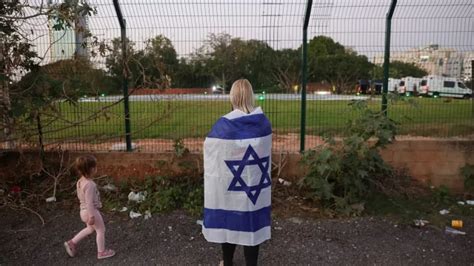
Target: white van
(409,86)
(437,86)
(393,84)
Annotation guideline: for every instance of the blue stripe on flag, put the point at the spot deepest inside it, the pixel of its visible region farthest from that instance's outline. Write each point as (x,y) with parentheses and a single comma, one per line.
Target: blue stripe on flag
(251,221)
(245,127)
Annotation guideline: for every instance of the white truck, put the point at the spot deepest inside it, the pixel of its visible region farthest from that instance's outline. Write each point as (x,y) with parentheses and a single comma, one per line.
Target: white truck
(437,86)
(409,86)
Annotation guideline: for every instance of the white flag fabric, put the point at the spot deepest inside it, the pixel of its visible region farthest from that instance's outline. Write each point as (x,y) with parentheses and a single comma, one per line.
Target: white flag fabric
(237,181)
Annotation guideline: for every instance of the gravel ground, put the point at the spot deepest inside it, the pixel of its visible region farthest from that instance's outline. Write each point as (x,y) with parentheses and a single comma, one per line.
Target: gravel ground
(175,239)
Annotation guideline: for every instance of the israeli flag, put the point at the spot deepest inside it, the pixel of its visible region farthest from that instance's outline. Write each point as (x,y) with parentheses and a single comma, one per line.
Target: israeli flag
(237,182)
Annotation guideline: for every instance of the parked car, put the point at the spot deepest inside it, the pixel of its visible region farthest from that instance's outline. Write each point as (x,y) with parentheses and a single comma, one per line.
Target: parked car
(217,90)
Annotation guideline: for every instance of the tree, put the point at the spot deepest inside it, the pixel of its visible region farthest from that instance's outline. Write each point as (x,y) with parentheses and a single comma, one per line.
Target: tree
(227,59)
(16,55)
(65,79)
(35,96)
(342,70)
(332,62)
(152,67)
(400,69)
(287,69)
(191,74)
(113,61)
(323,46)
(159,62)
(258,60)
(217,58)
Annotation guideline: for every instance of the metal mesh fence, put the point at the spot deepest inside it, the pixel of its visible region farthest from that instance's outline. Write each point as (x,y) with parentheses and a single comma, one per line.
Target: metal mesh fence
(435,36)
(183,56)
(359,27)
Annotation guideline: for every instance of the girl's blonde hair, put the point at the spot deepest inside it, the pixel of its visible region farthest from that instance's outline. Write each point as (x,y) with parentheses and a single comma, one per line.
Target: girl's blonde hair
(241,96)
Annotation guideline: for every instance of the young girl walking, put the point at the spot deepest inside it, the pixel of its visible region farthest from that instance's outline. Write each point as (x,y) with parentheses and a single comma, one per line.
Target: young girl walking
(89,204)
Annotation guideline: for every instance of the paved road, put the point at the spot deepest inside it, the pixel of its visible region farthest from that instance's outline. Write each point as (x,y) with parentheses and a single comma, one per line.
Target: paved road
(176,239)
(213,97)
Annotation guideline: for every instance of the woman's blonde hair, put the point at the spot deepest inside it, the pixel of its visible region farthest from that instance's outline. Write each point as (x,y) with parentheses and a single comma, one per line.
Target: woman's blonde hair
(241,96)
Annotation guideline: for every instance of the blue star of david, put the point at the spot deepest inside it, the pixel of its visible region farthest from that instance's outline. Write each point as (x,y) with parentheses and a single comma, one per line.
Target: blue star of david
(237,167)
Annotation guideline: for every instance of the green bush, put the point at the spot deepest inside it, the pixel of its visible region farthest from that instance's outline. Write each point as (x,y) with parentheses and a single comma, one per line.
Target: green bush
(163,194)
(441,195)
(179,149)
(342,174)
(468,172)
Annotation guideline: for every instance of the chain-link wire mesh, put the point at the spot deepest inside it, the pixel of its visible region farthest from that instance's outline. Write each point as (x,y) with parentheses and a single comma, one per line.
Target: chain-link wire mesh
(183,56)
(424,33)
(436,36)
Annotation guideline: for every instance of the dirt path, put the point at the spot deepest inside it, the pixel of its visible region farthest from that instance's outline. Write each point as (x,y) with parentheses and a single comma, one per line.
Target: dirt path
(281,143)
(175,239)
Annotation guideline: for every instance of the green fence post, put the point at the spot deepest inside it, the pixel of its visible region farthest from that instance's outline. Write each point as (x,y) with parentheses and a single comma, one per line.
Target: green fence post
(472,83)
(123,35)
(386,61)
(304,73)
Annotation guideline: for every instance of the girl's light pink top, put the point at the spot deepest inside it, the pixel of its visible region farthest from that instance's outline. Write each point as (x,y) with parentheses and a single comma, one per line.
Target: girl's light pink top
(88,195)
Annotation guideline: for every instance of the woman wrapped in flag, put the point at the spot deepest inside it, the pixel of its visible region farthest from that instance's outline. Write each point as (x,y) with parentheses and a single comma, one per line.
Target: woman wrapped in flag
(237,182)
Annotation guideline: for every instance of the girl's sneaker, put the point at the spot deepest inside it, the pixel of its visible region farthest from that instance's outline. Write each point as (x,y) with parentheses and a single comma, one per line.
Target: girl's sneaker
(105,254)
(70,248)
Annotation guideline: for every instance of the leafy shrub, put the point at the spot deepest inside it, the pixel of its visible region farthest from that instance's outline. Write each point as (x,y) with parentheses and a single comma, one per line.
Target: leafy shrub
(194,202)
(163,194)
(441,195)
(179,149)
(342,174)
(468,172)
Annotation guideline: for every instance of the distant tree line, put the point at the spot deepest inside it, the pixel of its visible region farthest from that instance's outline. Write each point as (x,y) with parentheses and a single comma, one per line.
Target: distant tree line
(219,61)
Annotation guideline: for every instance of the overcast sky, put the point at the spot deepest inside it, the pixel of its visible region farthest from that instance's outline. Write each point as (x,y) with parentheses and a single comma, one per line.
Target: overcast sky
(359,24)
